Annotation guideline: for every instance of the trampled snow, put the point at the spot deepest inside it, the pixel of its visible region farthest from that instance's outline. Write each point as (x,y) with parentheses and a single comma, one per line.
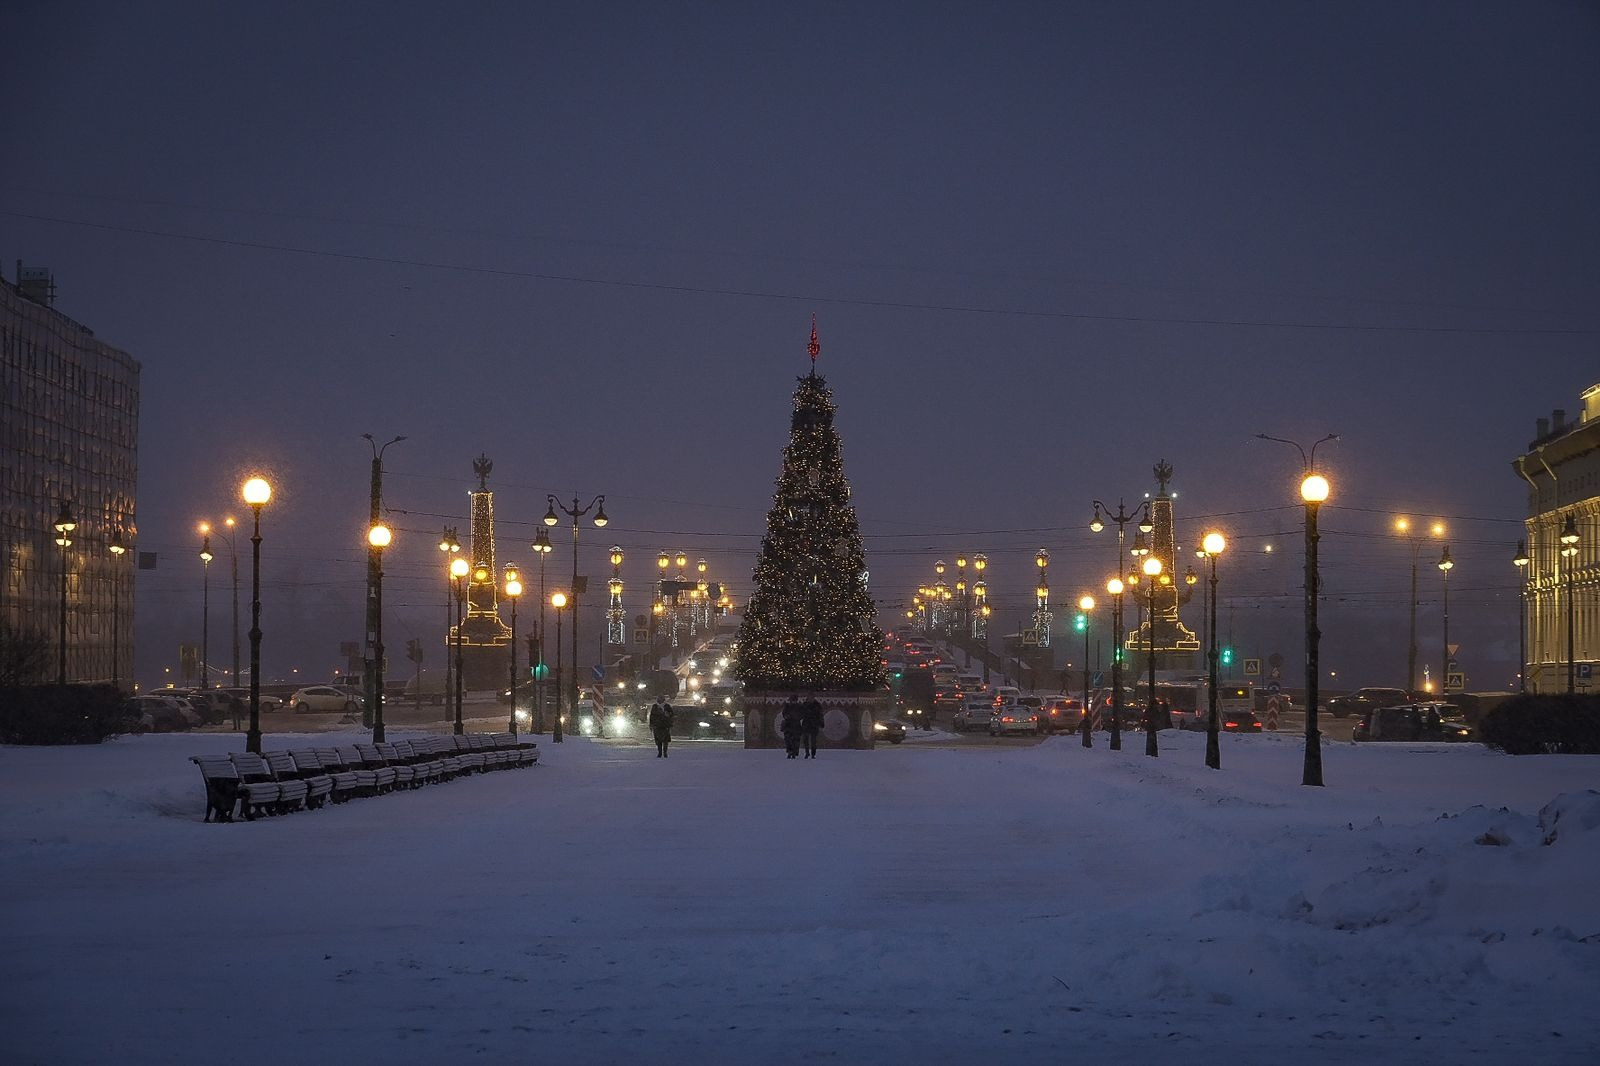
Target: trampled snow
(916,903)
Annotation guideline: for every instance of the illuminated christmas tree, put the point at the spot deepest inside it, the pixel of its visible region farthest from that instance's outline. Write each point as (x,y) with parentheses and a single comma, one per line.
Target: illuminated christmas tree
(811,624)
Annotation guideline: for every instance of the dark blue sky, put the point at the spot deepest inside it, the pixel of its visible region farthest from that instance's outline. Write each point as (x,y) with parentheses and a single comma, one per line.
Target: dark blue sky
(1041,242)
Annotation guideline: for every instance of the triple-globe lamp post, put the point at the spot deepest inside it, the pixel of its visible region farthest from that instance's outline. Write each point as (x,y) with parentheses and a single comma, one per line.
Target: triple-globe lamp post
(598,505)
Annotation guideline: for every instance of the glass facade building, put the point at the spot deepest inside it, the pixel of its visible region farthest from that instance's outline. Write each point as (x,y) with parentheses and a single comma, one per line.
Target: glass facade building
(69,434)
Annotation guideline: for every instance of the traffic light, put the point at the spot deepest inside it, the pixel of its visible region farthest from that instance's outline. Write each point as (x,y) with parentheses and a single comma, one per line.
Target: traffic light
(541,671)
(1080,623)
(1227,656)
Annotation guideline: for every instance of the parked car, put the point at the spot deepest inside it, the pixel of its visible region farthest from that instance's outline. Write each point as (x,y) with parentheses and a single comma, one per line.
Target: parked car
(1366,699)
(1009,720)
(1412,722)
(161,713)
(891,729)
(267,701)
(974,714)
(324,699)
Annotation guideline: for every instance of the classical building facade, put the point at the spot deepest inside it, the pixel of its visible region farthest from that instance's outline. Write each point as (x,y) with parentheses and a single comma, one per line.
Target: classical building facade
(69,435)
(1562,472)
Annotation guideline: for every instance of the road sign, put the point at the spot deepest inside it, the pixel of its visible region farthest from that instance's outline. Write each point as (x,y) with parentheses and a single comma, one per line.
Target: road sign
(1455,681)
(599,672)
(1272,714)
(1030,638)
(1252,668)
(1585,670)
(1452,649)
(1274,686)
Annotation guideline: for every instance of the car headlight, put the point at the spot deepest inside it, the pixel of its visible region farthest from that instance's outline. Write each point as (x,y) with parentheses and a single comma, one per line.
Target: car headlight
(880,727)
(705,725)
(586,723)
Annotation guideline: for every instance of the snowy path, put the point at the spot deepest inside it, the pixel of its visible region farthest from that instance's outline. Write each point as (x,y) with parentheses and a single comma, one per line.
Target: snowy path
(1037,904)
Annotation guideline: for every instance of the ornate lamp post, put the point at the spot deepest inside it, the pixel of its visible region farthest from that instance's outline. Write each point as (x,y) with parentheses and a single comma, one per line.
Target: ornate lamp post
(1212,546)
(1116,588)
(1086,605)
(616,615)
(1041,610)
(1520,561)
(963,604)
(450,544)
(598,505)
(542,546)
(1314,490)
(256,493)
(1402,526)
(459,569)
(378,538)
(558,600)
(1446,564)
(118,549)
(205,609)
(513,589)
(1152,570)
(64,524)
(1569,556)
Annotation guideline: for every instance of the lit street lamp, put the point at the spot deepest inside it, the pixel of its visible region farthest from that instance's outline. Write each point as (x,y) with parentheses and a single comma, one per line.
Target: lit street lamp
(1402,525)
(1152,570)
(118,549)
(256,493)
(1102,514)
(1116,588)
(542,546)
(1213,545)
(1569,555)
(558,600)
(513,590)
(205,610)
(374,670)
(1520,561)
(459,568)
(450,544)
(1446,564)
(1314,490)
(600,519)
(64,524)
(1086,605)
(378,538)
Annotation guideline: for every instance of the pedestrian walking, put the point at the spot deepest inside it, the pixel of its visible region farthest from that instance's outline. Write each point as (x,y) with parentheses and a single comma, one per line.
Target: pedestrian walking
(661,725)
(790,723)
(811,725)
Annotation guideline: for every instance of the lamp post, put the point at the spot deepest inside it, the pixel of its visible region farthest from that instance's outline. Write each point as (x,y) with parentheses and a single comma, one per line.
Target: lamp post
(1314,490)
(450,544)
(542,546)
(963,610)
(374,671)
(1086,605)
(616,615)
(1102,514)
(256,493)
(558,600)
(1152,570)
(513,589)
(598,504)
(378,538)
(1116,588)
(1446,564)
(205,610)
(118,549)
(1212,545)
(1569,555)
(459,568)
(1520,561)
(1402,526)
(64,524)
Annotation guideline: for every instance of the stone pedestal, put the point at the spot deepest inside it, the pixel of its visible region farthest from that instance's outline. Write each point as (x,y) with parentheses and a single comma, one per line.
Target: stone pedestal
(847,717)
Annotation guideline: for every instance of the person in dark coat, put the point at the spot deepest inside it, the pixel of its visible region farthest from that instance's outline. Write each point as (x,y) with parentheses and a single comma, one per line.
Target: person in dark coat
(790,723)
(811,725)
(661,725)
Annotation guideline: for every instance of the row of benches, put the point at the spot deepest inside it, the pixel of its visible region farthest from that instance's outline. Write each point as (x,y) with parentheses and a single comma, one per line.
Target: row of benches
(282,781)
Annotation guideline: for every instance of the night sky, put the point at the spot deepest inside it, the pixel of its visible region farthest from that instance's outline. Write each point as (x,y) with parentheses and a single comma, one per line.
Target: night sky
(1046,246)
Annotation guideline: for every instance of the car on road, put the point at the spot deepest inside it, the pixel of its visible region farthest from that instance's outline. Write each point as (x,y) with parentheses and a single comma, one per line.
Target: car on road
(324,699)
(1413,722)
(1006,695)
(267,701)
(891,729)
(1235,721)
(974,714)
(1366,699)
(1009,720)
(1061,714)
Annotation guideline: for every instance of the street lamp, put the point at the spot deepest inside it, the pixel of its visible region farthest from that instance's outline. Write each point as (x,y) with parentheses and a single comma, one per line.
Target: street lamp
(459,569)
(1520,561)
(227,535)
(1569,553)
(1116,588)
(374,671)
(64,524)
(1086,605)
(1446,564)
(558,600)
(450,544)
(205,609)
(118,549)
(1402,526)
(1152,570)
(256,493)
(513,590)
(541,545)
(1212,545)
(1314,490)
(378,538)
(598,504)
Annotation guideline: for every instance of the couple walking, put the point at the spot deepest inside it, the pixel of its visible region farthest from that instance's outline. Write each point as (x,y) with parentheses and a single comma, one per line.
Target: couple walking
(801,724)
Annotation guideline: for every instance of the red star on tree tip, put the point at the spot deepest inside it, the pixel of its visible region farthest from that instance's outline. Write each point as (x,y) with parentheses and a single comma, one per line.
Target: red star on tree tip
(814,348)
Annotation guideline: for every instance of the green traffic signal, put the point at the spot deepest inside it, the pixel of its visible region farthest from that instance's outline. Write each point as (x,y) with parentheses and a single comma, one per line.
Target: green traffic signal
(1227,656)
(541,671)
(1080,623)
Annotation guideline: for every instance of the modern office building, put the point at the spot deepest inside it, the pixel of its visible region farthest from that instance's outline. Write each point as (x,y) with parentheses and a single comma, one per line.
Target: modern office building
(1561,592)
(69,448)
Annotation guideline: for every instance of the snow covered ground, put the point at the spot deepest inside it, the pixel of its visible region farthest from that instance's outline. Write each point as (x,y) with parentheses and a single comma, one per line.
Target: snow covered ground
(912,904)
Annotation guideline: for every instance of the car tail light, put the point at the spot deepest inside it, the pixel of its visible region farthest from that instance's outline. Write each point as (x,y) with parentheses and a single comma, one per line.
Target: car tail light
(1230,725)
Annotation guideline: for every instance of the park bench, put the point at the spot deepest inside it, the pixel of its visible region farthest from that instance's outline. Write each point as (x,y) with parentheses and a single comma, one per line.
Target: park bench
(345,784)
(308,767)
(260,791)
(222,786)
